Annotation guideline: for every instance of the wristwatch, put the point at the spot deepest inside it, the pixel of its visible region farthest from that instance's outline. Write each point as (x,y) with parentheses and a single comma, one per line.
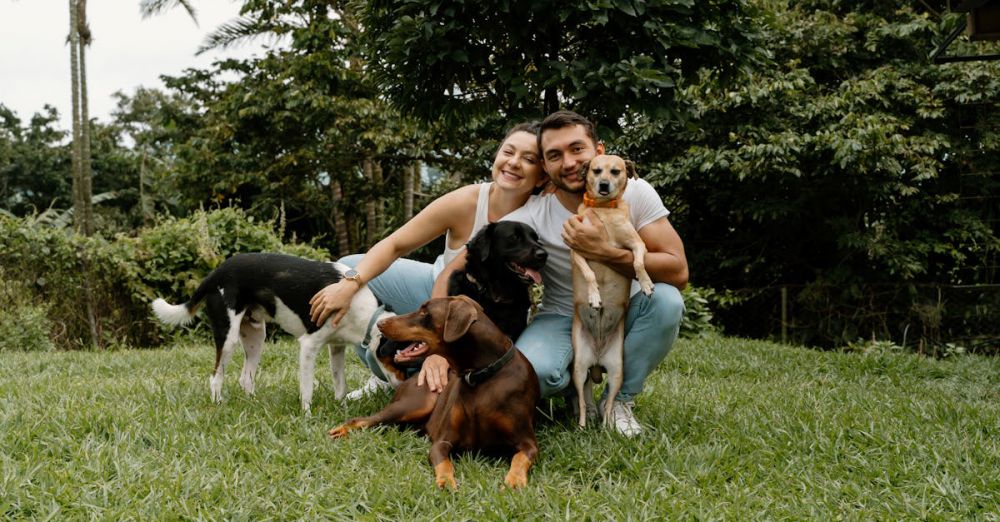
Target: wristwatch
(353,275)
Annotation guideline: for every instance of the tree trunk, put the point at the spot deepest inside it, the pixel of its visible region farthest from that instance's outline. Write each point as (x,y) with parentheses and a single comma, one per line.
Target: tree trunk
(339,220)
(377,178)
(74,70)
(369,172)
(86,180)
(408,175)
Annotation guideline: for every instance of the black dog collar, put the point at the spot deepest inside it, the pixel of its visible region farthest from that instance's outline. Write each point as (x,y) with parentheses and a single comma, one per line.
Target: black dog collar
(476,377)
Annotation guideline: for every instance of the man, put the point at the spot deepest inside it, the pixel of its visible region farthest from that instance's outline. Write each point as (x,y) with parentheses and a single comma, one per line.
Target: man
(566,141)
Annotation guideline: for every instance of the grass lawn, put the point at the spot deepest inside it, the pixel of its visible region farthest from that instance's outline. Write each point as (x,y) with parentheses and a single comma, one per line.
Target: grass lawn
(736,429)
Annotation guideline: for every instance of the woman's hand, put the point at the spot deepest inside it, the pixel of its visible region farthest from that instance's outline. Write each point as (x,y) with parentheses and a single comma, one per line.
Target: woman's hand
(434,372)
(333,301)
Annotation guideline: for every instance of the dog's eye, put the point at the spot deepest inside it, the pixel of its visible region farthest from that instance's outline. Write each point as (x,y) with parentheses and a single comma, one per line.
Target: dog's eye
(615,172)
(598,170)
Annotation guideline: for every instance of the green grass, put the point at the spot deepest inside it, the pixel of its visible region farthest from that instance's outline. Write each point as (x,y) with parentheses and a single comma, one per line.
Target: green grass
(736,430)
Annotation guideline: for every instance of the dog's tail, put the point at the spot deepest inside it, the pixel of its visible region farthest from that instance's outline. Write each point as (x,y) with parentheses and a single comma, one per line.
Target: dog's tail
(181,314)
(173,314)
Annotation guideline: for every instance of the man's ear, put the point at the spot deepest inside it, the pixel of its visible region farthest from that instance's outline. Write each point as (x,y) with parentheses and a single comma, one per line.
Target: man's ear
(630,168)
(461,315)
(600,148)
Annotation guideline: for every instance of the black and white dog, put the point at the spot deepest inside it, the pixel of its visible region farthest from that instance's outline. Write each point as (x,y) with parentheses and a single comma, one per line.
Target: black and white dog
(247,290)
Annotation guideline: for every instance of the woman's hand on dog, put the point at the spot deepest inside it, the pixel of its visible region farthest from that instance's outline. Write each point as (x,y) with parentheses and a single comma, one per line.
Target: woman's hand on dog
(332,302)
(434,372)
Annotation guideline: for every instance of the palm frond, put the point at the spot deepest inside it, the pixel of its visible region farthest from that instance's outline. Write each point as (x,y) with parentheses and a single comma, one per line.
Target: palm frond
(237,32)
(154,7)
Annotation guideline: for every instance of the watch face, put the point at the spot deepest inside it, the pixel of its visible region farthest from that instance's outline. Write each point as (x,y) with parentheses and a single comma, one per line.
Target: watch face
(351,274)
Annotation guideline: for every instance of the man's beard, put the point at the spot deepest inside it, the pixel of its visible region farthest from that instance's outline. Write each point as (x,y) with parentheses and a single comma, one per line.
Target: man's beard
(558,182)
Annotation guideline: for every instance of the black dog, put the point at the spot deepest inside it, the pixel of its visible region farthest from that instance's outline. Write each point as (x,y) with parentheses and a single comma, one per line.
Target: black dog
(503,260)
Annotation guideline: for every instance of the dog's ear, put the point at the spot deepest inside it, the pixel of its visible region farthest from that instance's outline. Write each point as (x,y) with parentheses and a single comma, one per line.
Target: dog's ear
(481,242)
(584,169)
(461,315)
(630,168)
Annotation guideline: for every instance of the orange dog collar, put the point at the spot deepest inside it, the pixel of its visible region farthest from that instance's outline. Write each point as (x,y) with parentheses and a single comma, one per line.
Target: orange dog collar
(589,201)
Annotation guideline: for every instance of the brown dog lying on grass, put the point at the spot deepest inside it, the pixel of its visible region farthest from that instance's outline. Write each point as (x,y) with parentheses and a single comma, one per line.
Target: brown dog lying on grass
(489,401)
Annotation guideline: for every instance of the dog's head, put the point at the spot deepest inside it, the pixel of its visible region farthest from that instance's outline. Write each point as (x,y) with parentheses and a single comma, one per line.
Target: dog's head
(607,176)
(508,251)
(435,327)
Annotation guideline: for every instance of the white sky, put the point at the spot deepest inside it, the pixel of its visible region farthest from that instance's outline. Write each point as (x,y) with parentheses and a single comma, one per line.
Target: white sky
(127,51)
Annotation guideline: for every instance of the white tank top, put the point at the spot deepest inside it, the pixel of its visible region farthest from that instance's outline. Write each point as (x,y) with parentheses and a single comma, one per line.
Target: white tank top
(482,218)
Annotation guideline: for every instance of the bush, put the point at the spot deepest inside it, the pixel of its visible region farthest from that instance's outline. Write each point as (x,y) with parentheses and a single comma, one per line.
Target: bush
(103,288)
(24,323)
(697,320)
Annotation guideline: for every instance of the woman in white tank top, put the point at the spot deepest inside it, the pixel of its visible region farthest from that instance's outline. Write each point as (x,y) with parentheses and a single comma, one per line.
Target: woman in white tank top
(517,173)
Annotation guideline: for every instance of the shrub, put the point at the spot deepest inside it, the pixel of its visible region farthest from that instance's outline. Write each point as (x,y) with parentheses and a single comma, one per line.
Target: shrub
(103,288)
(24,323)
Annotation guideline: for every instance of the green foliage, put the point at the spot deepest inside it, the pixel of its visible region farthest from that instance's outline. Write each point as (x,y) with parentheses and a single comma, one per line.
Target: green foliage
(24,323)
(697,320)
(848,165)
(607,59)
(122,276)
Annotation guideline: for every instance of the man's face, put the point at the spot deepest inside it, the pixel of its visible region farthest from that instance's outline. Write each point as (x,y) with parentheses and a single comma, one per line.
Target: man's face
(563,151)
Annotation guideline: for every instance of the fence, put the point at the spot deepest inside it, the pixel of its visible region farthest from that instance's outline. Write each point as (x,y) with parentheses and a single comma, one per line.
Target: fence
(923,318)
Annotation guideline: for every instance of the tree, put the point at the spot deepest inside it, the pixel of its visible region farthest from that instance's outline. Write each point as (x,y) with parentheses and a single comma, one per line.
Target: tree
(850,168)
(608,59)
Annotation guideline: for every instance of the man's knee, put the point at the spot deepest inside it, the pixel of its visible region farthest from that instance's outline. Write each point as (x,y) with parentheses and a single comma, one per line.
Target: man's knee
(668,301)
(552,378)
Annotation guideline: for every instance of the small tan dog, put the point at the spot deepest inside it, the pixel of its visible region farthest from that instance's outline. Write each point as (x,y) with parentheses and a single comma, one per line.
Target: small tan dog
(600,294)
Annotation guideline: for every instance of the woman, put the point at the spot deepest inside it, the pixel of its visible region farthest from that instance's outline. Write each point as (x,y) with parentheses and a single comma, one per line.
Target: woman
(404,284)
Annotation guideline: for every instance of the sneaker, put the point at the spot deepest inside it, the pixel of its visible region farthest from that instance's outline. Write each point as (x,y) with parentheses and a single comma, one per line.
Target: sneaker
(373,386)
(622,418)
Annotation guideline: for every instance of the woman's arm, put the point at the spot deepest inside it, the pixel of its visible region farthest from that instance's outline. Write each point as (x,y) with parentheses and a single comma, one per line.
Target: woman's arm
(435,368)
(442,214)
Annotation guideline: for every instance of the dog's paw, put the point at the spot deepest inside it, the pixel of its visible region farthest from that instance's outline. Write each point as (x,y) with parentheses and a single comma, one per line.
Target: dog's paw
(446,480)
(646,286)
(516,479)
(595,300)
(339,432)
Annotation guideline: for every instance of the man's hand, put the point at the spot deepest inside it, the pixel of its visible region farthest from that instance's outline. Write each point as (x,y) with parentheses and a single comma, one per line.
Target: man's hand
(434,372)
(585,233)
(333,300)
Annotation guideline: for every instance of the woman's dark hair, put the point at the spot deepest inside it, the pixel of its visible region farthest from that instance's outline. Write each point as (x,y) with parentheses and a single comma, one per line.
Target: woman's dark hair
(531,127)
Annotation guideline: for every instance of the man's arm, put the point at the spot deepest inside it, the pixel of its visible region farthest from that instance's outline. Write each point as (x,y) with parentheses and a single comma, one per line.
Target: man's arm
(665,260)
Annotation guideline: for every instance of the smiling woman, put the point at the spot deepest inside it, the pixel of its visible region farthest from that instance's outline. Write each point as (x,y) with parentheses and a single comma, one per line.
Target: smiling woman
(404,284)
(127,51)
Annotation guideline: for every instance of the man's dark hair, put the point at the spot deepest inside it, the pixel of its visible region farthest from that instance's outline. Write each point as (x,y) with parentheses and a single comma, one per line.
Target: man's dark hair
(560,119)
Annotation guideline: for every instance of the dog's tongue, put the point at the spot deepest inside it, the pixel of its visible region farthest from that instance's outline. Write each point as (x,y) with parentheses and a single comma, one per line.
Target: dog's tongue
(411,351)
(535,275)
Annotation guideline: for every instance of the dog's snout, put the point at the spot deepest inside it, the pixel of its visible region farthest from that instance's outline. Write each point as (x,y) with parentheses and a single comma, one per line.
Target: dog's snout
(604,186)
(541,254)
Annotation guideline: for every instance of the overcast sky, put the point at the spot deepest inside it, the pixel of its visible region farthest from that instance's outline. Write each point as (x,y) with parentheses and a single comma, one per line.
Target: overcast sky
(127,51)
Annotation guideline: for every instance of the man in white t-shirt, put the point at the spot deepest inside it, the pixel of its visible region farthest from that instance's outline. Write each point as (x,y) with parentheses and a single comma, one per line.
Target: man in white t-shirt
(566,140)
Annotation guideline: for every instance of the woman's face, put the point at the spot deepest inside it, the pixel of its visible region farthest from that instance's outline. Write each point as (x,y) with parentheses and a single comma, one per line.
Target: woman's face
(517,165)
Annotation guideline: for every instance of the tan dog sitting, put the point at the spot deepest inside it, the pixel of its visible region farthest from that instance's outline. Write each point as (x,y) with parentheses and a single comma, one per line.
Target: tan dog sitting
(600,294)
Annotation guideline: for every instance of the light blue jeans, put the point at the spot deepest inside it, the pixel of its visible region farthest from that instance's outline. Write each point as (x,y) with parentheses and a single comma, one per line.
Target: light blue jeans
(651,327)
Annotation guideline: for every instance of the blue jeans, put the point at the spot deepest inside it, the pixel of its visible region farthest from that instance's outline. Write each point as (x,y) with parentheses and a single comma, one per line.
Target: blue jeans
(651,327)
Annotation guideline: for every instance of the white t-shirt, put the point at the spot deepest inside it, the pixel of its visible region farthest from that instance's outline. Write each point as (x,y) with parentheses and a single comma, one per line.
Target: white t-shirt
(547,215)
